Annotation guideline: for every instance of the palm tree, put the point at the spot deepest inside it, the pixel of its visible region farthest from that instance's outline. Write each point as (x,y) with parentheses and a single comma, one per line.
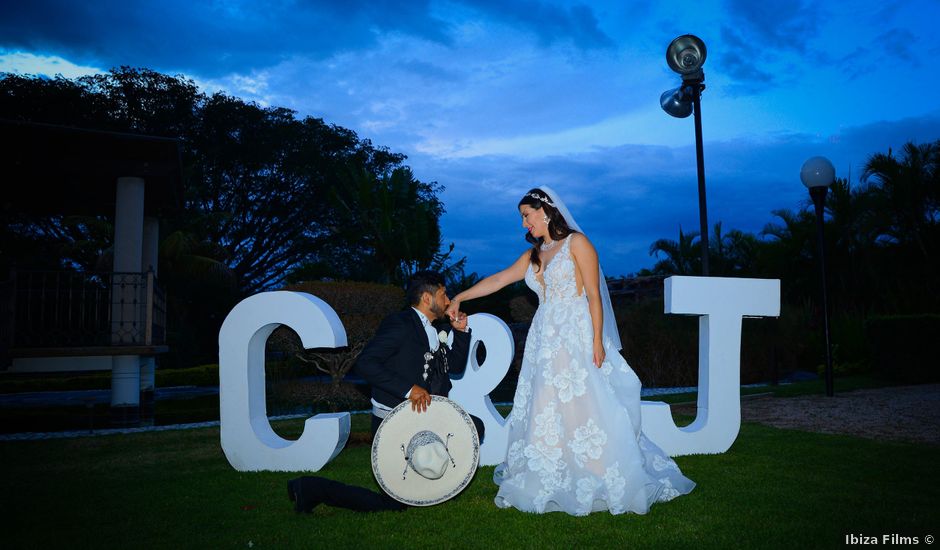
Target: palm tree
(681,257)
(907,191)
(788,252)
(740,252)
(732,253)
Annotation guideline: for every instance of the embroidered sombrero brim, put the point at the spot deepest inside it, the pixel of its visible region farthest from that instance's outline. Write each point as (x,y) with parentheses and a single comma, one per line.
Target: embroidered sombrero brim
(443,417)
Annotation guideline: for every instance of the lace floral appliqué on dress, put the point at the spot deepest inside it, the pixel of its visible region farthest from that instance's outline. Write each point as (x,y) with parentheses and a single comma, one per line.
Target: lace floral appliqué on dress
(575,443)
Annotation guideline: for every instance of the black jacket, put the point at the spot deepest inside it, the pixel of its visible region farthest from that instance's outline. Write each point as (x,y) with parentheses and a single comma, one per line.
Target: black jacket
(393,361)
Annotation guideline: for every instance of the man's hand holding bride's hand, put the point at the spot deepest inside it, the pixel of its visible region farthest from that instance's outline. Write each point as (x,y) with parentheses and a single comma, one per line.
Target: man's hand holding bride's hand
(460,323)
(599,353)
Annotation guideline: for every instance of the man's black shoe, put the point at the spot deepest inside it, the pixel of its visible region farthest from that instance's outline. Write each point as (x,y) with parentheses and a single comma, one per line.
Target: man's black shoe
(295,494)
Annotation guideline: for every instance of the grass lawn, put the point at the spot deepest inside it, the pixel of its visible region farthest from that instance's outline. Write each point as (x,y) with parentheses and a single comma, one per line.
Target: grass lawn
(175,489)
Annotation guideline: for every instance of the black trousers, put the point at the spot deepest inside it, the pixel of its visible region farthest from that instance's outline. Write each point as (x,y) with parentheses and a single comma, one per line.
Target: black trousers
(311,491)
(314,490)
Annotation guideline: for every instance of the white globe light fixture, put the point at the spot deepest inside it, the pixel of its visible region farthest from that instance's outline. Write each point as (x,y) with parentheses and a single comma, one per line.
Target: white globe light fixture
(817,174)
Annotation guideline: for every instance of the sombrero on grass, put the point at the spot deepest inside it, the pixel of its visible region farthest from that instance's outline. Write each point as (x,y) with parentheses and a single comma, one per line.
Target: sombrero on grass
(422,459)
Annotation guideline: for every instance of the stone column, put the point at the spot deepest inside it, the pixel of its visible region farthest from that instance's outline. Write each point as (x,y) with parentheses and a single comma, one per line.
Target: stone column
(125,298)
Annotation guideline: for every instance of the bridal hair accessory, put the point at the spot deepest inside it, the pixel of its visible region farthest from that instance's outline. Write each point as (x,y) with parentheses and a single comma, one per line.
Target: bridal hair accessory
(440,445)
(544,199)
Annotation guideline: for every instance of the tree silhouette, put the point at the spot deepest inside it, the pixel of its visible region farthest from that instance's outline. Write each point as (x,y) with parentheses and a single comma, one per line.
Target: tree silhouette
(682,257)
(394,218)
(258,180)
(906,193)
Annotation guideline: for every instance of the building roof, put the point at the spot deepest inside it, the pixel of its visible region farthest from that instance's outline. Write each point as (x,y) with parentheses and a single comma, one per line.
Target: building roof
(51,169)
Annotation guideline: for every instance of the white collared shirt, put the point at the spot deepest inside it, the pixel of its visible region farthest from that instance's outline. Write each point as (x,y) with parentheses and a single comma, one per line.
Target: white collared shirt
(381,410)
(433,341)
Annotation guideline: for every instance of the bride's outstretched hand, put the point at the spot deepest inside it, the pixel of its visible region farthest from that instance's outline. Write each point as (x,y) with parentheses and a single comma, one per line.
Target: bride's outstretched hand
(599,354)
(453,310)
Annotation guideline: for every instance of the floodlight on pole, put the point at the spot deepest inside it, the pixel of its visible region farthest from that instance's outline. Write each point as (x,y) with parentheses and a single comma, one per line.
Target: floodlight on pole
(686,55)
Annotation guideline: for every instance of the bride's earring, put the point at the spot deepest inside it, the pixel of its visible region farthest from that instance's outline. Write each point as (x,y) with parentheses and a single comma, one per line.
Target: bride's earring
(545,219)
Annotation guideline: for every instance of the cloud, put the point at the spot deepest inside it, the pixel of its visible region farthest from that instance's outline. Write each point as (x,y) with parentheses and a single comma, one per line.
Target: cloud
(900,44)
(550,23)
(776,43)
(628,196)
(491,98)
(209,38)
(218,38)
(761,38)
(739,63)
(429,71)
(44,65)
(781,24)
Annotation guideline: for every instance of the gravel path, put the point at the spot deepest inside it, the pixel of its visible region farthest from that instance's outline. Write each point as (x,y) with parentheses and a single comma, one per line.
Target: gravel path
(901,413)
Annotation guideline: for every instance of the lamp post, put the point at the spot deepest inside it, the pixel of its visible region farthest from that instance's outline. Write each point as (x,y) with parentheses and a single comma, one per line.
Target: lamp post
(686,55)
(817,175)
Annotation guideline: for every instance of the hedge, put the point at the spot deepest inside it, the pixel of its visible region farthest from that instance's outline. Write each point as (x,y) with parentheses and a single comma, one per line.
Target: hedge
(906,348)
(202,375)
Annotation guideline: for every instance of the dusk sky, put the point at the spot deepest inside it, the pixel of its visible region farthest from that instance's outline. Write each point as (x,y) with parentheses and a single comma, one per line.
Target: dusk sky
(490,98)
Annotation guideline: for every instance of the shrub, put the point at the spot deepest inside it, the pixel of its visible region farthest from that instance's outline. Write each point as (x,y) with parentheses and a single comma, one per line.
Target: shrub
(202,375)
(55,382)
(905,347)
(521,309)
(290,397)
(360,307)
(663,349)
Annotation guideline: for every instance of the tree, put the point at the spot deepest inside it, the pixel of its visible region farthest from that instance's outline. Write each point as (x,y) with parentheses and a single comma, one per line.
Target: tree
(390,221)
(907,194)
(360,307)
(257,179)
(903,213)
(734,252)
(259,187)
(682,257)
(259,184)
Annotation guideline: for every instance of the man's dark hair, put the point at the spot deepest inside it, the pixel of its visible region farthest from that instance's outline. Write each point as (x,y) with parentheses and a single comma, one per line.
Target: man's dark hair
(421,282)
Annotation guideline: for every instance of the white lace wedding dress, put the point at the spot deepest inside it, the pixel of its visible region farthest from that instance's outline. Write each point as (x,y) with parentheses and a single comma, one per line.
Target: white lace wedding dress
(575,443)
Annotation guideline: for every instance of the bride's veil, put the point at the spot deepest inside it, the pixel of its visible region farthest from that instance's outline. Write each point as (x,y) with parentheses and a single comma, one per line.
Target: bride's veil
(610,322)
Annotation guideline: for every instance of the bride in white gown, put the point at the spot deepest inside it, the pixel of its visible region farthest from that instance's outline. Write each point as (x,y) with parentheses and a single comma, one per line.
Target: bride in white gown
(575,443)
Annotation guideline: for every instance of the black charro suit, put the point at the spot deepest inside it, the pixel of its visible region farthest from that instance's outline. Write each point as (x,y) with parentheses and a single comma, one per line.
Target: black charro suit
(393,361)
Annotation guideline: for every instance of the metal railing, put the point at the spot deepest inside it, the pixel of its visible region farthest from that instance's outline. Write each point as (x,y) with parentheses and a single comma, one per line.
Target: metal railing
(56,309)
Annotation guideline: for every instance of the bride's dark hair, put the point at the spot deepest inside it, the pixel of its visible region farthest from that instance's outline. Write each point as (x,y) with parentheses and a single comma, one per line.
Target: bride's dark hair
(557,226)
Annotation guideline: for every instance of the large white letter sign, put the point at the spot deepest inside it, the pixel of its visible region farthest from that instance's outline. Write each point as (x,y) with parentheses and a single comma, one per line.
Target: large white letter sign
(721,303)
(471,391)
(248,441)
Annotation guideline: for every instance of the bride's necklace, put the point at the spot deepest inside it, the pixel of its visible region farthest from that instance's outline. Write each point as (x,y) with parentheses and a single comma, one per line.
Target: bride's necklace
(545,247)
